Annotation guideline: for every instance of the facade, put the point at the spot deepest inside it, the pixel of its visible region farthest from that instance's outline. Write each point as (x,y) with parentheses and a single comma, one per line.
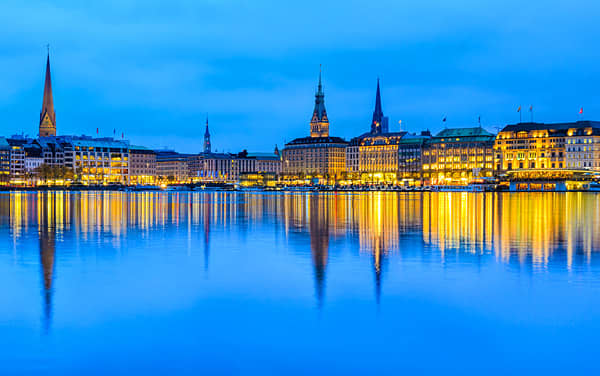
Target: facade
(458,156)
(196,166)
(142,165)
(17,157)
(352,156)
(378,157)
(172,166)
(217,167)
(33,158)
(373,157)
(47,126)
(4,160)
(319,156)
(52,150)
(532,147)
(97,160)
(268,164)
(410,158)
(583,147)
(539,150)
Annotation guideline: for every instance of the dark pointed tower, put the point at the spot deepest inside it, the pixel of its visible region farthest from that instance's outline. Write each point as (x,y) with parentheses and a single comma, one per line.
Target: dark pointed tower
(380,122)
(319,123)
(276,151)
(207,138)
(47,115)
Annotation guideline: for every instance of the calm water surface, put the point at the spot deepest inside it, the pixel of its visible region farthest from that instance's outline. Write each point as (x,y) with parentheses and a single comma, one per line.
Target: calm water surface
(234,283)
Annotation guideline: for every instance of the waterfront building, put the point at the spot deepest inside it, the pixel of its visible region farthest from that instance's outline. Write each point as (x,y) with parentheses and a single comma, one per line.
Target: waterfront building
(33,158)
(142,165)
(4,160)
(96,160)
(217,167)
(196,166)
(47,125)
(172,166)
(352,158)
(458,156)
(535,147)
(268,164)
(583,146)
(373,156)
(17,158)
(52,150)
(410,158)
(319,157)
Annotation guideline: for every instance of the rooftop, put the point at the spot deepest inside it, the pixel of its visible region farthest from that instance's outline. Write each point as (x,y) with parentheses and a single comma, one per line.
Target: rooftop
(550,126)
(464,132)
(317,140)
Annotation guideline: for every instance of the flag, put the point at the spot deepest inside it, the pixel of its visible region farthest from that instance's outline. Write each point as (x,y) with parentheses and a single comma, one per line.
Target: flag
(531,108)
(114,131)
(581,110)
(479,119)
(122,135)
(519,109)
(97,130)
(444,119)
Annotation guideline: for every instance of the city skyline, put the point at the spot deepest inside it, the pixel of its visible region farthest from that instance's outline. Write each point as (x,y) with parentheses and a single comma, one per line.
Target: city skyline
(159,96)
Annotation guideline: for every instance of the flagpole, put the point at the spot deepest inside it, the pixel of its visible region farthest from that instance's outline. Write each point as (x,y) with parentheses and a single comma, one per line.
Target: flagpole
(531,112)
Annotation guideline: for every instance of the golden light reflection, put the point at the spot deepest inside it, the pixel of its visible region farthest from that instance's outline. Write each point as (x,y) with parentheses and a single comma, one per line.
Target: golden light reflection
(514,227)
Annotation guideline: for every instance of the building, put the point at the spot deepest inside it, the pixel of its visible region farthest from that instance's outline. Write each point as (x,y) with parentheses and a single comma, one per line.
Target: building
(217,167)
(172,166)
(142,165)
(47,116)
(548,157)
(320,157)
(373,156)
(583,146)
(17,157)
(33,158)
(531,146)
(410,158)
(52,150)
(4,161)
(458,156)
(96,160)
(255,163)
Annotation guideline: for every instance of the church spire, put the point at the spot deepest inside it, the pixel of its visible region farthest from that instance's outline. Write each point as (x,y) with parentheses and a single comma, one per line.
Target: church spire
(319,123)
(206,138)
(47,115)
(380,122)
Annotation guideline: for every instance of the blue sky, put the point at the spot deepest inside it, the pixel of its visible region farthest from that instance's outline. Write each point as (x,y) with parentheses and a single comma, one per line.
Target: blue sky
(153,70)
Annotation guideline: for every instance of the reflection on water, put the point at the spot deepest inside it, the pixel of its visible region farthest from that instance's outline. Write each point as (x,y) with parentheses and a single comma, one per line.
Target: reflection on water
(535,231)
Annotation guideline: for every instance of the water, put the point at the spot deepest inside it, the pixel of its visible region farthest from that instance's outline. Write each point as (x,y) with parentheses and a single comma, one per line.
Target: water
(233,283)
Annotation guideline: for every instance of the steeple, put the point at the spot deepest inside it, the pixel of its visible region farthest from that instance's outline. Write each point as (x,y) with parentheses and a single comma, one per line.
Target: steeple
(207,138)
(380,122)
(319,123)
(47,115)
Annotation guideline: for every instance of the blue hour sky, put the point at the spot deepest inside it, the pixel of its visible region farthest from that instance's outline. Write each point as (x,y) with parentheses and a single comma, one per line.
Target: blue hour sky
(154,69)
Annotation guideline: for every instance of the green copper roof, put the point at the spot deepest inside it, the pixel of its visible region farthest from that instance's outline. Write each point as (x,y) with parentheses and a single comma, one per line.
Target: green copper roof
(464,132)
